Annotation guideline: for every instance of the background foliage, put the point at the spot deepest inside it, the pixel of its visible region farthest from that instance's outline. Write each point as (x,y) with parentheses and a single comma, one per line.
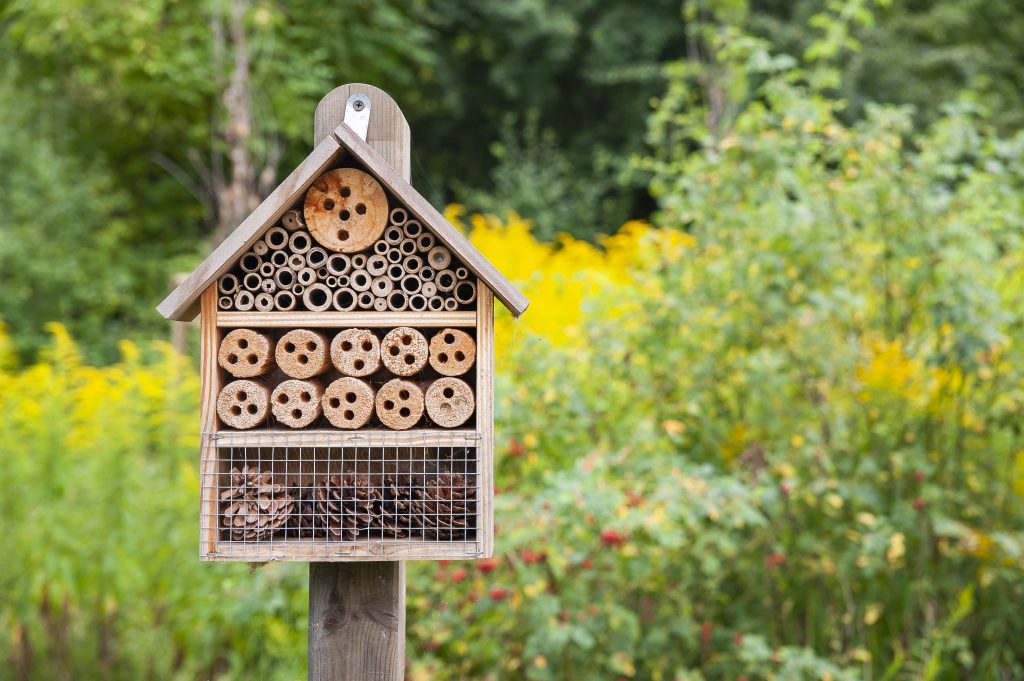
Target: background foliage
(779,427)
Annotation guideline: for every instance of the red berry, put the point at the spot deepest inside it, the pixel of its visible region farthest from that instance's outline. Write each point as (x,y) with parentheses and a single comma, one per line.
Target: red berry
(919,476)
(516,448)
(487,566)
(612,538)
(774,560)
(459,575)
(499,594)
(531,557)
(919,504)
(785,489)
(587,564)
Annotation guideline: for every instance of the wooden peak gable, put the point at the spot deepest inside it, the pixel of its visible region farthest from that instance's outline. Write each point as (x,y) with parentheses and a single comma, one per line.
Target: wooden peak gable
(183,302)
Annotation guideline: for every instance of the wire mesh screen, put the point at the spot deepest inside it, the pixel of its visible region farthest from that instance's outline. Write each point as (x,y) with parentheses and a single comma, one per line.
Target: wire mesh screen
(368,489)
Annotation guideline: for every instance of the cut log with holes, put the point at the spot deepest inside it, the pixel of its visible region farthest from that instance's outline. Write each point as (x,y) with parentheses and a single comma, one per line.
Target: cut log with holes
(452,352)
(302,353)
(243,404)
(449,402)
(296,403)
(356,352)
(317,297)
(346,210)
(245,353)
(399,404)
(404,351)
(293,220)
(348,403)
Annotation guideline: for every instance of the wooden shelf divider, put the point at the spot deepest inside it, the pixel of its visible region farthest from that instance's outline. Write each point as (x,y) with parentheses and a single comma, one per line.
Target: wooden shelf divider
(367,319)
(345,438)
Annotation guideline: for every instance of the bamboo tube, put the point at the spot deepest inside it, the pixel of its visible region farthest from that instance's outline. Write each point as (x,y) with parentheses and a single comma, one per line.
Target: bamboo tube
(399,216)
(338,264)
(285,278)
(293,220)
(439,257)
(317,297)
(393,235)
(343,280)
(284,301)
(302,353)
(396,272)
(225,303)
(380,304)
(427,273)
(450,304)
(346,210)
(381,286)
(250,262)
(260,248)
(417,302)
(305,276)
(365,300)
(296,261)
(348,403)
(452,352)
(268,286)
(449,402)
(381,247)
(356,352)
(435,303)
(358,261)
(461,273)
(279,259)
(276,238)
(228,284)
(465,292)
(267,270)
(404,351)
(410,283)
(397,301)
(424,242)
(445,281)
(331,281)
(245,353)
(244,301)
(252,281)
(296,404)
(413,264)
(243,404)
(322,273)
(399,404)
(429,289)
(360,280)
(394,255)
(376,265)
(300,241)
(412,229)
(316,257)
(264,302)
(407,247)
(344,300)
(298,289)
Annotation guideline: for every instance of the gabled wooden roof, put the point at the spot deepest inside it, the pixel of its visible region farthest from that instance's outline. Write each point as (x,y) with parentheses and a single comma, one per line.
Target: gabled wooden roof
(183,302)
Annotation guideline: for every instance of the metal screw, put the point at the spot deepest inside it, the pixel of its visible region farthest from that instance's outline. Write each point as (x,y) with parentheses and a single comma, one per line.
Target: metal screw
(358,104)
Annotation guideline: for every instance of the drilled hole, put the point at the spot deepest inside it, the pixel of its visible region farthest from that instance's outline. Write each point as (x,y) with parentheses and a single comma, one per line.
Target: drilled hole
(282,399)
(449,338)
(367,346)
(346,346)
(242,343)
(344,215)
(305,396)
(349,415)
(361,208)
(442,357)
(345,192)
(236,410)
(403,394)
(252,409)
(389,405)
(448,392)
(311,345)
(393,350)
(302,359)
(241,396)
(404,412)
(334,402)
(289,347)
(252,359)
(350,398)
(358,364)
(410,359)
(406,339)
(296,413)
(232,359)
(342,235)
(459,356)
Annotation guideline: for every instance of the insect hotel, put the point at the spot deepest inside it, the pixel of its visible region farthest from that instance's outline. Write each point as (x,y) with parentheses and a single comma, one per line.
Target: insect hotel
(347,350)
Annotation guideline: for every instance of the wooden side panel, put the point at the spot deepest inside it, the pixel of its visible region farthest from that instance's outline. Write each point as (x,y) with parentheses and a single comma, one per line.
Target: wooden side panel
(210,387)
(485,413)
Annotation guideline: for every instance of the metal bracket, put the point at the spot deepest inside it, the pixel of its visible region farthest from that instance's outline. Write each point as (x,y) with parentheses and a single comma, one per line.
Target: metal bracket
(357,114)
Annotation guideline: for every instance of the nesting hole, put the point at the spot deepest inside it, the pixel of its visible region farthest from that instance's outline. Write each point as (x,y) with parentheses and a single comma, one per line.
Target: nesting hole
(311,345)
(459,356)
(442,357)
(349,415)
(232,359)
(345,192)
(403,394)
(252,359)
(302,359)
(361,208)
(448,392)
(241,396)
(343,235)
(449,338)
(359,364)
(389,405)
(393,350)
(296,413)
(236,410)
(404,412)
(367,346)
(344,215)
(334,402)
(346,346)
(282,399)
(410,359)
(305,396)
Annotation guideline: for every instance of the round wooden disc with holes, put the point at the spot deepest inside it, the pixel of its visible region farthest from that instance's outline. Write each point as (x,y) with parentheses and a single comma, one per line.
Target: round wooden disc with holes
(399,404)
(348,403)
(245,353)
(404,351)
(452,352)
(449,402)
(346,210)
(302,353)
(295,403)
(243,404)
(356,352)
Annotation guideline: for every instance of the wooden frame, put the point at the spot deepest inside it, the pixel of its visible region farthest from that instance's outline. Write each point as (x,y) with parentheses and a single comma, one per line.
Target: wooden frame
(330,319)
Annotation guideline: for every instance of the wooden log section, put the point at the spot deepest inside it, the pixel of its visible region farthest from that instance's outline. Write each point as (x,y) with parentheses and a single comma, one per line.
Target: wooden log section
(276,238)
(439,257)
(338,264)
(245,353)
(348,403)
(228,284)
(346,210)
(264,302)
(399,216)
(300,241)
(296,404)
(293,220)
(317,297)
(399,404)
(250,262)
(243,404)
(449,402)
(356,352)
(244,301)
(465,292)
(285,301)
(452,352)
(404,351)
(344,299)
(302,353)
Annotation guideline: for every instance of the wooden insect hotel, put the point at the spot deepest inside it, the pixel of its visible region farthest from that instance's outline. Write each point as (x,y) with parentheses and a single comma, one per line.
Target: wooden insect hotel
(347,349)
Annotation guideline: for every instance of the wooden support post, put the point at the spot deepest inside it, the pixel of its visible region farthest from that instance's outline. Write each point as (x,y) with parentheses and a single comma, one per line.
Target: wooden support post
(357,610)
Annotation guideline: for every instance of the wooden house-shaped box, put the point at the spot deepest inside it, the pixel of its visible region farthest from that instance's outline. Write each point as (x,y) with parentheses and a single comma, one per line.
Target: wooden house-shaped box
(347,350)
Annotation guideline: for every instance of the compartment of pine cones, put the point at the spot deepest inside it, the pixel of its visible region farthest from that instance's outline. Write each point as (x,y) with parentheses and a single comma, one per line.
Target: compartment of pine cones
(349,507)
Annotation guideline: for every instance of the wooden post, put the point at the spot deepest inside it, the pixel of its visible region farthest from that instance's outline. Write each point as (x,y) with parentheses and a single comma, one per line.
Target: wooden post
(357,610)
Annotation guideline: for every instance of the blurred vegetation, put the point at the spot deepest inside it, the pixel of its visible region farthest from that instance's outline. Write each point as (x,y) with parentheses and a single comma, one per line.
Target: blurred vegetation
(771,433)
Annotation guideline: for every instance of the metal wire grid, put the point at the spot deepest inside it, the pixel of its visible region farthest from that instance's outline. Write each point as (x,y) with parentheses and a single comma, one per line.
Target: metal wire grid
(276,490)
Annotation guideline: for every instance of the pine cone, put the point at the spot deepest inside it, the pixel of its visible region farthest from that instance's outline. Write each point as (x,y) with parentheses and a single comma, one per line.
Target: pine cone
(394,508)
(444,508)
(346,505)
(303,519)
(255,506)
